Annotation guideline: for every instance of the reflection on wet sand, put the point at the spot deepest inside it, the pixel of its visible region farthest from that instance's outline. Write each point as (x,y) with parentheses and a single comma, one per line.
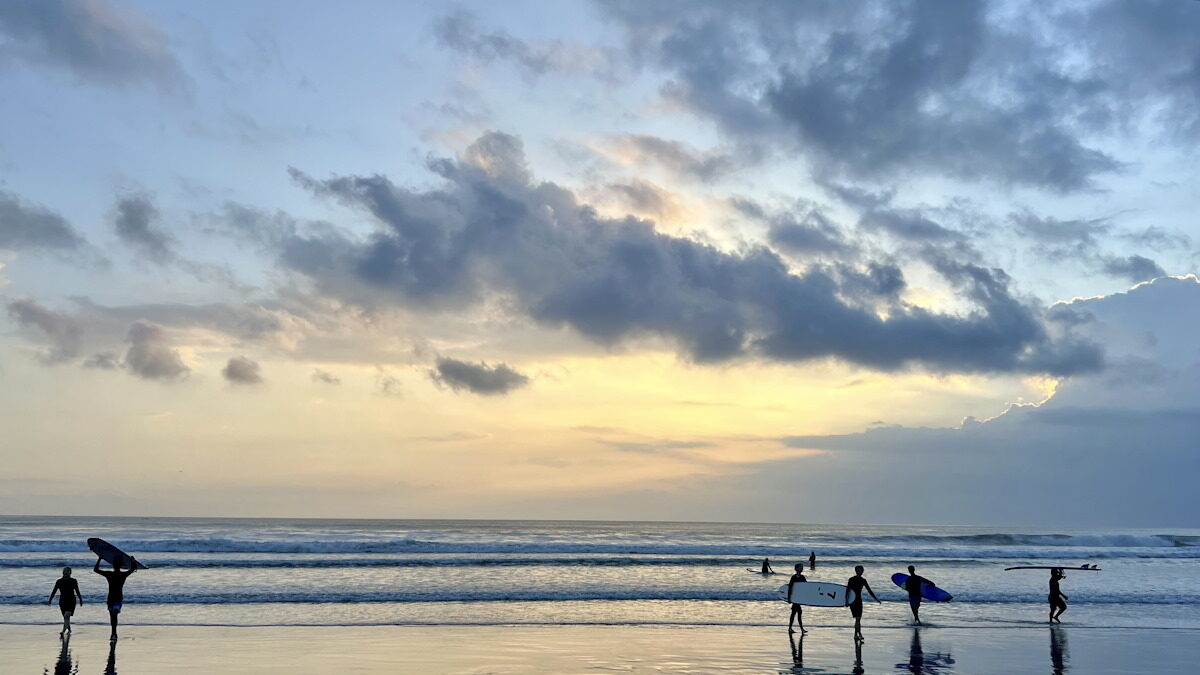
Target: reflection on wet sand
(858,664)
(111,667)
(64,665)
(928,664)
(1060,658)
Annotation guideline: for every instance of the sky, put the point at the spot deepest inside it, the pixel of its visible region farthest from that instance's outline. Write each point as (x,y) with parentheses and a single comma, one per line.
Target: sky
(902,262)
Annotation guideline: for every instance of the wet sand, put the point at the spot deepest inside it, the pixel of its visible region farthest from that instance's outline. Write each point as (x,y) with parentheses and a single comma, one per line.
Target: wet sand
(590,649)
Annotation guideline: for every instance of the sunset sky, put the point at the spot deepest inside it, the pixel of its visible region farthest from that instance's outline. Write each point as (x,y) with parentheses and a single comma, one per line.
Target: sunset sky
(912,262)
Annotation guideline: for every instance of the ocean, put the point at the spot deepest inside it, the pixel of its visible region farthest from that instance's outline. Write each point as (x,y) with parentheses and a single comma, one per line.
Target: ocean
(285,572)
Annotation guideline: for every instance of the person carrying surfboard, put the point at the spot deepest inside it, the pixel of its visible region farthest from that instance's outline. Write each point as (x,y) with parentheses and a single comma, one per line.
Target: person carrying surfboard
(68,590)
(854,588)
(116,588)
(913,586)
(1058,601)
(797,610)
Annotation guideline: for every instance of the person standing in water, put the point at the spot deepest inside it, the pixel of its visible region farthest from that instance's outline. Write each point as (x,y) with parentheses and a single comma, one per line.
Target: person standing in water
(812,560)
(913,586)
(797,610)
(854,589)
(1058,601)
(116,589)
(68,590)
(766,566)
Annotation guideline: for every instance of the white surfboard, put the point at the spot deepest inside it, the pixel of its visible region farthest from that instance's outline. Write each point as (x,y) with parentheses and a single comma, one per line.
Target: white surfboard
(815,594)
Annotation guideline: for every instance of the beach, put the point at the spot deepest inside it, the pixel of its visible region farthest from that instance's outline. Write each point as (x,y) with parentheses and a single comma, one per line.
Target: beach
(476,650)
(300,596)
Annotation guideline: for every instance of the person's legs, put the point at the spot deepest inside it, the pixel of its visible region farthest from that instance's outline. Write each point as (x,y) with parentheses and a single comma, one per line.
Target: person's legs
(114,611)
(915,605)
(1062,607)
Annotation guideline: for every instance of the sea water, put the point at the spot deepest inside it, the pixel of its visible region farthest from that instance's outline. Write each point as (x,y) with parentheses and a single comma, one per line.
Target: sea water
(264,572)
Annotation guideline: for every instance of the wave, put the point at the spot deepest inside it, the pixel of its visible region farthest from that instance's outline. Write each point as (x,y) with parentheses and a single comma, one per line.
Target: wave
(999,545)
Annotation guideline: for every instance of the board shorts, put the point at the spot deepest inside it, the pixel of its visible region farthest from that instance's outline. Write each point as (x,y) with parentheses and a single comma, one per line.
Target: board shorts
(856,608)
(1057,601)
(114,607)
(67,608)
(914,602)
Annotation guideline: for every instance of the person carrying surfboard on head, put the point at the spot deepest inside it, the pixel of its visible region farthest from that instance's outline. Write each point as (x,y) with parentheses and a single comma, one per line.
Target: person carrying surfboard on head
(68,590)
(116,588)
(1058,601)
(913,586)
(854,588)
(797,610)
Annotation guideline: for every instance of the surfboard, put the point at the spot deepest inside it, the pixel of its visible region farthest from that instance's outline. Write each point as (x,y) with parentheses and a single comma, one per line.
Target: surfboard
(1082,568)
(759,571)
(113,555)
(928,591)
(815,594)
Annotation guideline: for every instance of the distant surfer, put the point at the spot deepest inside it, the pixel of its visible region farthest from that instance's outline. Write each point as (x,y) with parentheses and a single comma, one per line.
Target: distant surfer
(812,560)
(116,589)
(1058,601)
(68,590)
(913,586)
(766,566)
(797,610)
(854,588)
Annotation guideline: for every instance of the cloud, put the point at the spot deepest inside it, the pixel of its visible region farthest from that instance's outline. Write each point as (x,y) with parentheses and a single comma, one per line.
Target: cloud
(64,332)
(492,229)
(678,158)
(325,377)
(911,88)
(27,226)
(388,385)
(151,355)
(102,361)
(241,370)
(95,40)
(809,232)
(134,219)
(1071,457)
(643,197)
(1133,268)
(477,378)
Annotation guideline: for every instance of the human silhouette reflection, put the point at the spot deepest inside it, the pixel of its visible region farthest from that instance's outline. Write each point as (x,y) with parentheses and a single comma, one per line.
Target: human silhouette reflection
(858,662)
(926,664)
(64,664)
(111,667)
(797,651)
(1060,657)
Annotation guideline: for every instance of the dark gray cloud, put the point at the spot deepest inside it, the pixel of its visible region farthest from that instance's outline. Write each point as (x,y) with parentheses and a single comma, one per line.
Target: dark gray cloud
(325,377)
(95,40)
(1005,92)
(804,231)
(242,370)
(63,331)
(492,228)
(477,378)
(136,221)
(150,354)
(644,197)
(1132,268)
(27,226)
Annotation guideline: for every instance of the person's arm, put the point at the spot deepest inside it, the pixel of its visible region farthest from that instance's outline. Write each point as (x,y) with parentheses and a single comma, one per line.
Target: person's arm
(868,587)
(96,568)
(52,592)
(78,594)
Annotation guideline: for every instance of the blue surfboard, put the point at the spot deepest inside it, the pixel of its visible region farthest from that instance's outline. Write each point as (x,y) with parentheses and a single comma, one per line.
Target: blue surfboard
(113,555)
(928,591)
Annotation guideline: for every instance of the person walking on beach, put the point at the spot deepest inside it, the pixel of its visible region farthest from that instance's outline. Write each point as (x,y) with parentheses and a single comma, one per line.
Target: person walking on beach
(797,609)
(913,586)
(1058,601)
(812,560)
(854,589)
(766,566)
(116,589)
(68,590)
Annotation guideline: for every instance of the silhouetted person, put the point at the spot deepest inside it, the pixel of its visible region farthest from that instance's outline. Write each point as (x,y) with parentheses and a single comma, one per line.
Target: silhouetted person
(858,662)
(1058,601)
(913,586)
(854,589)
(1059,658)
(116,589)
(766,566)
(67,589)
(797,609)
(797,650)
(812,560)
